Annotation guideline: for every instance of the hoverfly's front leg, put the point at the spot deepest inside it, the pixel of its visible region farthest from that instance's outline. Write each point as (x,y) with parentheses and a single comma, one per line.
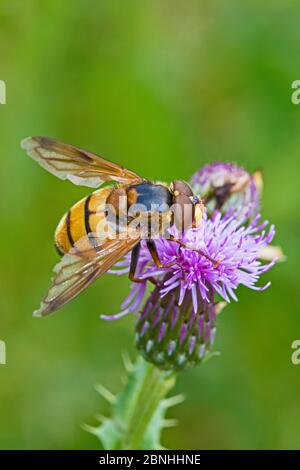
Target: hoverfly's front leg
(155,256)
(133,265)
(215,262)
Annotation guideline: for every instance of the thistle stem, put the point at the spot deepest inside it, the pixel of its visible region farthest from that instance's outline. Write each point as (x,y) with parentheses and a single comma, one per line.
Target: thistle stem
(154,386)
(138,411)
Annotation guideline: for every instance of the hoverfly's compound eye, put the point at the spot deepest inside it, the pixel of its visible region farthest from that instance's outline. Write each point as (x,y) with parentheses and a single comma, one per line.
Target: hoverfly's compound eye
(183,212)
(181,187)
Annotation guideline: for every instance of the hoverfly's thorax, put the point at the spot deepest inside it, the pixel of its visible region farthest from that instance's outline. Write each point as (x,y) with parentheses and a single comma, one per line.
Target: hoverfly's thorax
(150,197)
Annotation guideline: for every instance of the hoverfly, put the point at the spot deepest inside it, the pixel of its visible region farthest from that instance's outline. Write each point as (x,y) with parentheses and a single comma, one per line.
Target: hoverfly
(85,254)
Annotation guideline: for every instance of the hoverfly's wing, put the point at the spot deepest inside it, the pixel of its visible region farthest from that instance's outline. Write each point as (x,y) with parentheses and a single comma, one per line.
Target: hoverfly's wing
(81,266)
(77,165)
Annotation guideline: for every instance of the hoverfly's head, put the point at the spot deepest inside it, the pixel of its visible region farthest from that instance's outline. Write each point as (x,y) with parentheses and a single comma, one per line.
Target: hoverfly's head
(188,208)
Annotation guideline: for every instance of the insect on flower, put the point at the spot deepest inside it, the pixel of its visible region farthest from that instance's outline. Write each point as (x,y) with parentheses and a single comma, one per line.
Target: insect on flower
(111,222)
(176,324)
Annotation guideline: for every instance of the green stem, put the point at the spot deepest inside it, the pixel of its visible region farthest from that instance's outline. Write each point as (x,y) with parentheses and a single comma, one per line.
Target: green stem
(138,411)
(154,386)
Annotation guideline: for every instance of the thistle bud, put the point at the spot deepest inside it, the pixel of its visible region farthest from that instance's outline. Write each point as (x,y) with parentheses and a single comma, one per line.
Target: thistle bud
(229,188)
(174,336)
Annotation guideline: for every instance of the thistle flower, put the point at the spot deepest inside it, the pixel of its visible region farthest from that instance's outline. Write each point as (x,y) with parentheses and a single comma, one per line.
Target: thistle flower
(176,325)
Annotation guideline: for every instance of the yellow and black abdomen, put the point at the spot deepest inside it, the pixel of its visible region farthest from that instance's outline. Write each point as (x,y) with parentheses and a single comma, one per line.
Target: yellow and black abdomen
(81,220)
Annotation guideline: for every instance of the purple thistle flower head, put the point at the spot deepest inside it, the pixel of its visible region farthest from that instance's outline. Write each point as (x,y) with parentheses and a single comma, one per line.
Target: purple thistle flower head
(176,325)
(235,246)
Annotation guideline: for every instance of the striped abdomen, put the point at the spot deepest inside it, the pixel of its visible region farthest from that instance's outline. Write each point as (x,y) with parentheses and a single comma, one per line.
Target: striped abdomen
(81,220)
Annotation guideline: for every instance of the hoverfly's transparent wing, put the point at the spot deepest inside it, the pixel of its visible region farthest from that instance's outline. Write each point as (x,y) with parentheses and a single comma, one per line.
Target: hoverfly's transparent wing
(81,266)
(77,165)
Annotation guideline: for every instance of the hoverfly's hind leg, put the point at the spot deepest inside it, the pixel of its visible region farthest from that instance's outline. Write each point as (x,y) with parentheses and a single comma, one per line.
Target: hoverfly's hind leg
(155,256)
(133,265)
(215,262)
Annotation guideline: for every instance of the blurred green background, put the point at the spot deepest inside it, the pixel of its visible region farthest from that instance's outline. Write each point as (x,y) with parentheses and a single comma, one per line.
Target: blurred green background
(161,87)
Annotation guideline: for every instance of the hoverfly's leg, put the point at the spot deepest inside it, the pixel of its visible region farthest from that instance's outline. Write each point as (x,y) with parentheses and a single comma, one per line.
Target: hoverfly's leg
(155,256)
(133,265)
(215,262)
